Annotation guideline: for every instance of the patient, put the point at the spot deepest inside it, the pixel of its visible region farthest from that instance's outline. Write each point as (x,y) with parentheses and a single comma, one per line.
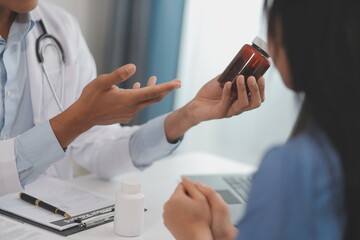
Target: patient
(309,188)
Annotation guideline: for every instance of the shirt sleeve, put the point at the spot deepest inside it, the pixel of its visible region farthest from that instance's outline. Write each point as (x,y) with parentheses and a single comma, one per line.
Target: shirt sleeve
(31,158)
(149,143)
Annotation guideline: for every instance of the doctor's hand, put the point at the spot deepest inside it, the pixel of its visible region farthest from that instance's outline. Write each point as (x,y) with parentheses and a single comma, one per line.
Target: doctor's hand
(215,102)
(187,214)
(103,103)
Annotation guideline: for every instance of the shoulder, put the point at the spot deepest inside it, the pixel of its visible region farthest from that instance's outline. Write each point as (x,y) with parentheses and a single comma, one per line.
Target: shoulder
(52,11)
(304,172)
(65,28)
(56,19)
(307,152)
(307,163)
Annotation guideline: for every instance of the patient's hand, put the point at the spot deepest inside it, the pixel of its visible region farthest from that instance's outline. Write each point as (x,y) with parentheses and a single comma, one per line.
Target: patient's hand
(221,226)
(187,214)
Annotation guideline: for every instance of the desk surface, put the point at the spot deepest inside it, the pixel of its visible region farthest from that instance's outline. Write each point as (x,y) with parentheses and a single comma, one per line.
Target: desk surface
(159,181)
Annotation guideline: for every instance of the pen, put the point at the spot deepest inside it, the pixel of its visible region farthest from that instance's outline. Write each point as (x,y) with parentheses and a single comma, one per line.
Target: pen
(42,204)
(96,222)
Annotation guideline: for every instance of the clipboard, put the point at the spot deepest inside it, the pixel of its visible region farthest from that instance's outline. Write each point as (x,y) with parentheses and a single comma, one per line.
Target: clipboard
(81,203)
(64,233)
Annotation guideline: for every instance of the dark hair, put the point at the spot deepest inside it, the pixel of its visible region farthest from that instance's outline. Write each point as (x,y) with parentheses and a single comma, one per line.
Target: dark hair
(322,43)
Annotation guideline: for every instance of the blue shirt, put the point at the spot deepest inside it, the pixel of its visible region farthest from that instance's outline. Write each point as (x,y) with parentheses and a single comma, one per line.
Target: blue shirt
(16,114)
(297,192)
(15,104)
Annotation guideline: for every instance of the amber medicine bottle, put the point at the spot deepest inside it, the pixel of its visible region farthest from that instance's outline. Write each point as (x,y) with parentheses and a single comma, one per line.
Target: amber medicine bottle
(251,60)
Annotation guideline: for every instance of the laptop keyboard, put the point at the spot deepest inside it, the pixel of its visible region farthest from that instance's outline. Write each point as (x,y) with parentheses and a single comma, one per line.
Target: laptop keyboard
(240,184)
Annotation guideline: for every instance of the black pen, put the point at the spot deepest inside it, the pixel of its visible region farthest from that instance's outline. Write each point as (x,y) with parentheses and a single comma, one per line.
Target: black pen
(42,204)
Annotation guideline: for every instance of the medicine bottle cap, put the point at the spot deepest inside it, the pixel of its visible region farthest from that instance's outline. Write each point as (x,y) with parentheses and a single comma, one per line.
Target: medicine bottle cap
(130,186)
(261,44)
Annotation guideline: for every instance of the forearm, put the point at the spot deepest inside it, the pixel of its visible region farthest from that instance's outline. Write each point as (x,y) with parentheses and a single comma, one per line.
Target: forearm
(177,123)
(68,125)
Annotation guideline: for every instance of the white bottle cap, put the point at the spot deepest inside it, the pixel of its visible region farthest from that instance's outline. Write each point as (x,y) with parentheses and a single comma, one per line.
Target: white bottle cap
(130,186)
(261,44)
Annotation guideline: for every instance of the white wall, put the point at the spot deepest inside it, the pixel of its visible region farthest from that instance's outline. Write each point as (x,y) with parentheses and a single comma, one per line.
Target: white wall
(92,16)
(213,33)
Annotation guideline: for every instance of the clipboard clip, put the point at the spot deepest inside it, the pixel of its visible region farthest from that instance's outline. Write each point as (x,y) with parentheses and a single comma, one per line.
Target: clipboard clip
(92,223)
(96,220)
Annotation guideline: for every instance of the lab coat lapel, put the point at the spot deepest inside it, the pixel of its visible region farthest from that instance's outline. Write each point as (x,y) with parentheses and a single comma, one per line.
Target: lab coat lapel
(35,75)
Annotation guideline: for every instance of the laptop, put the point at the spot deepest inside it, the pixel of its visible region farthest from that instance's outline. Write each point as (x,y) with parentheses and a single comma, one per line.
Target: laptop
(233,188)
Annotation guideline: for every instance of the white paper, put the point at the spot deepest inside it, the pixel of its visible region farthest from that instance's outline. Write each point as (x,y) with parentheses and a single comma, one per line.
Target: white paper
(14,230)
(66,196)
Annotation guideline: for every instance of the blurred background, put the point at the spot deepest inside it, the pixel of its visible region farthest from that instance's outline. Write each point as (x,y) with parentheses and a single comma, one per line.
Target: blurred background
(193,40)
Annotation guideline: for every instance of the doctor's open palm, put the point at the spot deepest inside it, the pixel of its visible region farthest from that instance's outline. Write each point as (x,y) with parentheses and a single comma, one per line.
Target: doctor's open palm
(103,103)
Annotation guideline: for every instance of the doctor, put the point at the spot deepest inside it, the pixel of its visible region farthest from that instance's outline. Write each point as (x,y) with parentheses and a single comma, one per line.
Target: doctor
(52,112)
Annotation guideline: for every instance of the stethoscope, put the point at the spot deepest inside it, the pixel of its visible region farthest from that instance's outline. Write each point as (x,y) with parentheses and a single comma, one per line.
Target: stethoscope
(40,50)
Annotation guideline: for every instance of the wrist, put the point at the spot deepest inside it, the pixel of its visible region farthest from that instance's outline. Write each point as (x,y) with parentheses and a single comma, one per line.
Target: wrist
(202,234)
(68,125)
(187,116)
(229,233)
(177,123)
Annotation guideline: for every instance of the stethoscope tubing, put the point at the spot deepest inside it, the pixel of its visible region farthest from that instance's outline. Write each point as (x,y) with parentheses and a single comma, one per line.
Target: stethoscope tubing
(40,50)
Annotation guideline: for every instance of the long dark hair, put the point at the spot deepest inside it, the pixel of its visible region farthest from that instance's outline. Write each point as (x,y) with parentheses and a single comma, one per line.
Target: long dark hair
(322,43)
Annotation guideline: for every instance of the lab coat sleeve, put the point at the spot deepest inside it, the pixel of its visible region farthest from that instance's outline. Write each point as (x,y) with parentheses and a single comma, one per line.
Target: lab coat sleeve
(109,151)
(9,178)
(104,150)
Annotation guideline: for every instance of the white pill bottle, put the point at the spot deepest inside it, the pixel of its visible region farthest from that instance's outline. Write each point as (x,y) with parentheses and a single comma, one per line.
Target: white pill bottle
(129,209)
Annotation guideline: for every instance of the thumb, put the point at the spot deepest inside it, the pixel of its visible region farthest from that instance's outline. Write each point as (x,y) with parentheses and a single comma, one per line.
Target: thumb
(191,188)
(119,75)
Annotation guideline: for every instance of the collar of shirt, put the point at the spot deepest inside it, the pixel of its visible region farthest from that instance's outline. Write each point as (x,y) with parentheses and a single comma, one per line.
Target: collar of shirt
(21,26)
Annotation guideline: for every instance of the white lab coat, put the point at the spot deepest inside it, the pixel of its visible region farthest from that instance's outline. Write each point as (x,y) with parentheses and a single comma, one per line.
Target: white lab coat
(103,150)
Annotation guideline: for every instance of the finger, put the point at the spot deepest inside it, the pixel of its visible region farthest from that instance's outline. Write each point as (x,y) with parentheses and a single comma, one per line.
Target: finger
(255,100)
(153,100)
(191,189)
(119,75)
(150,101)
(243,101)
(225,102)
(156,91)
(241,89)
(214,199)
(152,81)
(261,84)
(179,190)
(136,85)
